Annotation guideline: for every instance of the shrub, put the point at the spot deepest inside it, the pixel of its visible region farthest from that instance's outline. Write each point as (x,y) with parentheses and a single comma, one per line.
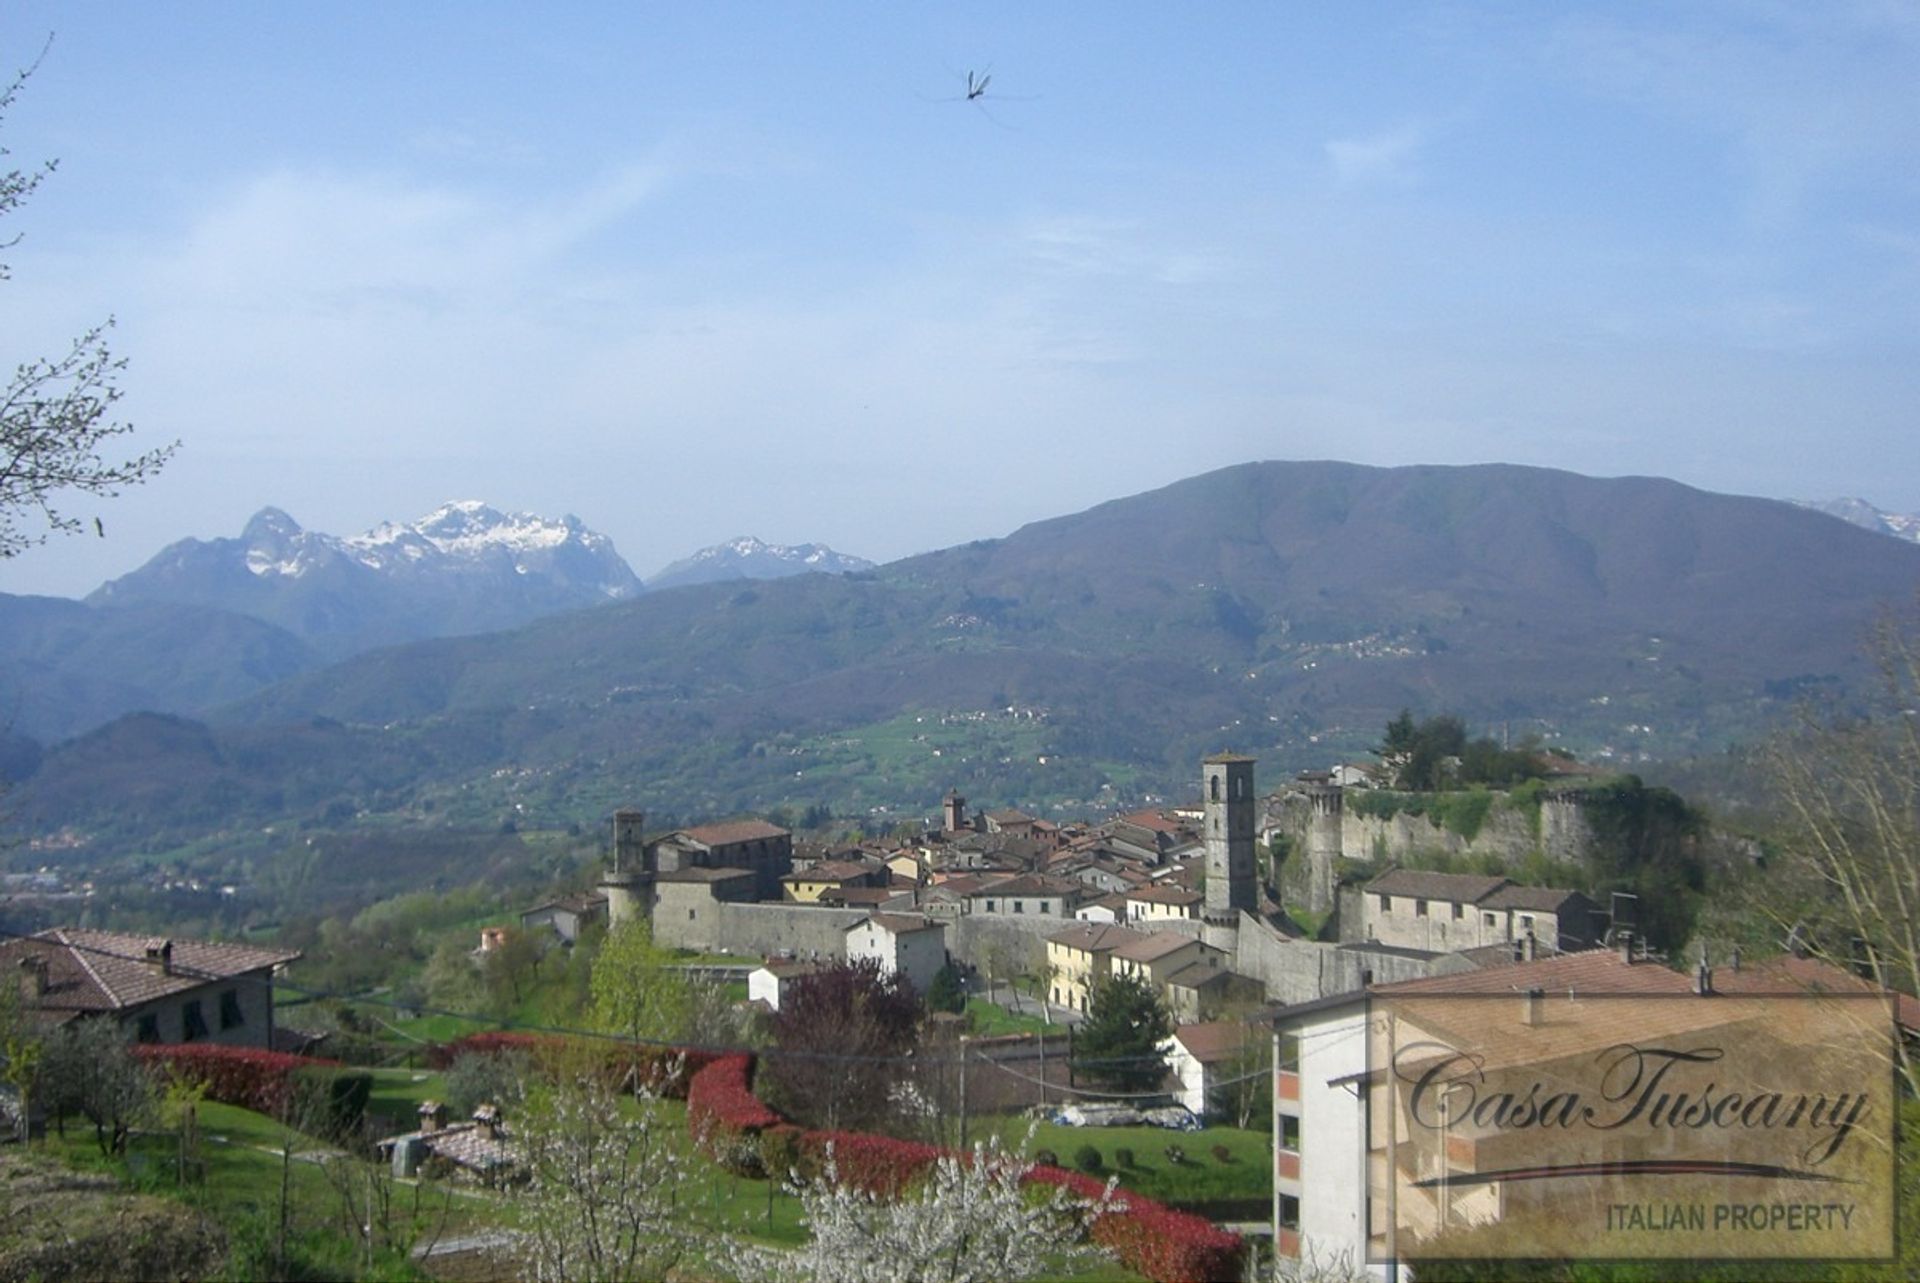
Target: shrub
(1046,1158)
(1221,1154)
(725,1116)
(878,1165)
(1123,1156)
(1176,1155)
(474,1078)
(331,1102)
(1087,1158)
(249,1077)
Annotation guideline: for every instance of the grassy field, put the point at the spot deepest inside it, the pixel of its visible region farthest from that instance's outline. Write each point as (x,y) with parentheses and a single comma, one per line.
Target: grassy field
(990,1020)
(1200,1178)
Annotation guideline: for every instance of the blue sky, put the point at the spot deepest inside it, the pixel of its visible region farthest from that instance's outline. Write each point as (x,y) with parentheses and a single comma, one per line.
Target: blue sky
(691,271)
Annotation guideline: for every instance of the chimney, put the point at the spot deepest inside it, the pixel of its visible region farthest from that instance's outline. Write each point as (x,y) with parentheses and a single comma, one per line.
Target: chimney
(33,975)
(1702,975)
(1623,943)
(160,956)
(487,1116)
(1519,953)
(1530,1013)
(1528,947)
(433,1116)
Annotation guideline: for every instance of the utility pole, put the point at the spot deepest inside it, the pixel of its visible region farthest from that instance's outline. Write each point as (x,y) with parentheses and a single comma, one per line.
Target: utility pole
(963,1093)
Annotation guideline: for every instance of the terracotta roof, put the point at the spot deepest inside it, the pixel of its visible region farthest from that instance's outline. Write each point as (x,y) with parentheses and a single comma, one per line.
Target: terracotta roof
(1462,888)
(1095,937)
(855,896)
(1788,974)
(1166,895)
(1590,971)
(1029,884)
(1151,948)
(703,875)
(731,831)
(1541,899)
(1197,975)
(1008,815)
(834,871)
(108,971)
(898,924)
(1218,1040)
(1154,820)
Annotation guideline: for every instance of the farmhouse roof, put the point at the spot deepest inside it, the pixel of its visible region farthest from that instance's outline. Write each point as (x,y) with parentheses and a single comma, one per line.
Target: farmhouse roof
(1095,937)
(91,970)
(1217,1040)
(730,831)
(1461,888)
(898,924)
(1152,948)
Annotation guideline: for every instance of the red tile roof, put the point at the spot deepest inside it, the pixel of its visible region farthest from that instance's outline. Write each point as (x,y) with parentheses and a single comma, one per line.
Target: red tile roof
(91,970)
(731,831)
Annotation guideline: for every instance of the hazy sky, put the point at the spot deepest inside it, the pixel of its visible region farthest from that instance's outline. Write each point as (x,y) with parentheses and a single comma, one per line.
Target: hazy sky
(697,270)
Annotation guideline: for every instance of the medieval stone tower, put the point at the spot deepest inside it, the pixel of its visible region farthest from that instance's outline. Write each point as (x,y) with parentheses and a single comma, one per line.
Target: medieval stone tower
(1325,820)
(629,883)
(1226,781)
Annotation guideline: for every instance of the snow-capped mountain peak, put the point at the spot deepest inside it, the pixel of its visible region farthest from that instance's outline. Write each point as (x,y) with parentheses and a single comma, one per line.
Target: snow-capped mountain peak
(1860,513)
(464,567)
(749,557)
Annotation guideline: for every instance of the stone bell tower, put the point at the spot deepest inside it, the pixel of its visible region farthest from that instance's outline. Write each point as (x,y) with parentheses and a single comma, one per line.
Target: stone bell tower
(629,883)
(1226,781)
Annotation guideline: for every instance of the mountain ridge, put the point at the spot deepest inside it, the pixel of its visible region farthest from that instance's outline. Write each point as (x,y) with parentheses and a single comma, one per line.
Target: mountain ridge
(749,557)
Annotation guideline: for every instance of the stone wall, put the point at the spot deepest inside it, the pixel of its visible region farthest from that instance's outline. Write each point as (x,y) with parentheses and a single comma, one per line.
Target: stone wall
(753,930)
(1303,970)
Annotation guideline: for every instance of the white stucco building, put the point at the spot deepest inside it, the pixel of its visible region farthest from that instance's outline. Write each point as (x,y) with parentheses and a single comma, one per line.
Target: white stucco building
(916,947)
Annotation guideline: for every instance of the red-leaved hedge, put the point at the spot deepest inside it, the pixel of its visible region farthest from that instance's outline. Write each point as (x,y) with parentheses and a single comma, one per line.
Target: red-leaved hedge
(250,1077)
(879,1165)
(1152,1238)
(721,1106)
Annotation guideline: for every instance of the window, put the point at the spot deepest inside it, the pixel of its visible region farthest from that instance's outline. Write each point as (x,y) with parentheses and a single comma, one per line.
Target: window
(1526,923)
(148,1029)
(1290,1133)
(1215,783)
(193,1023)
(690,913)
(1019,906)
(1419,908)
(1289,1212)
(989,906)
(1289,1051)
(1493,919)
(1459,912)
(231,1016)
(1386,904)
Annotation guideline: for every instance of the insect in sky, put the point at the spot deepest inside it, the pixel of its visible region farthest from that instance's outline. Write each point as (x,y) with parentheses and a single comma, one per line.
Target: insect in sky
(975,91)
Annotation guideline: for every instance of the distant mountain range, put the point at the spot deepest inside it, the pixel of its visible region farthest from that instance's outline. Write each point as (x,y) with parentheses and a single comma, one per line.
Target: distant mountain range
(206,622)
(749,558)
(1283,609)
(463,568)
(1863,514)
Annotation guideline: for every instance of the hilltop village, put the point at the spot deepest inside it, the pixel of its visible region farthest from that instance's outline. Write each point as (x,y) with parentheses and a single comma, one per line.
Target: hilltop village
(1184,897)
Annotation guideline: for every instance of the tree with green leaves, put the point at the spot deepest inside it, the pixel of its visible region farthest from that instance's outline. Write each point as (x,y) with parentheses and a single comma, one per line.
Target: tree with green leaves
(1119,1043)
(56,424)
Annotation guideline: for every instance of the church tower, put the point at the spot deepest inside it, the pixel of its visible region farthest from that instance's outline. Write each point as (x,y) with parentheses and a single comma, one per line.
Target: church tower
(1226,781)
(629,883)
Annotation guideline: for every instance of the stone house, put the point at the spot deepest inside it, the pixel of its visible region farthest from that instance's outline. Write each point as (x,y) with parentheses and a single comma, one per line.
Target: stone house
(1449,912)
(764,850)
(1030,894)
(770,983)
(1081,957)
(567,916)
(833,875)
(911,946)
(158,989)
(1163,903)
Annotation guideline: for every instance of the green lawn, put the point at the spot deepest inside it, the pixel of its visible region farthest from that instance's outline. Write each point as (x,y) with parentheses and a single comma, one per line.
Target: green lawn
(990,1020)
(1201,1178)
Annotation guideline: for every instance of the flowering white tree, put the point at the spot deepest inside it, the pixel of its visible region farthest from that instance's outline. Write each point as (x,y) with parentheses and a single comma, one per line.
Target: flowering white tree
(971,1221)
(602,1186)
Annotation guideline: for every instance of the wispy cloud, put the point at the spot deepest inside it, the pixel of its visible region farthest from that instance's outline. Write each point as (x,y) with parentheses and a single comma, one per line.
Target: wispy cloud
(1388,156)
